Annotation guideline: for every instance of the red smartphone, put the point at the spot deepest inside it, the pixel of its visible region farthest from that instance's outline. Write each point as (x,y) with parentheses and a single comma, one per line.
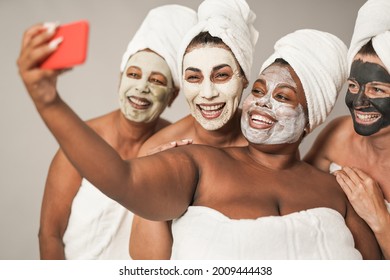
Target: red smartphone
(73,49)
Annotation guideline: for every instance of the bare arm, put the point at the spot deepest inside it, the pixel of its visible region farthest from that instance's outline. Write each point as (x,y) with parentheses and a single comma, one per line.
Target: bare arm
(319,154)
(367,199)
(364,238)
(62,185)
(158,188)
(150,240)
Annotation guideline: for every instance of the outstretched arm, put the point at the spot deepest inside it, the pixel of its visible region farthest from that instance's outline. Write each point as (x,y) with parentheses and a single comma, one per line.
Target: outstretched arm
(62,184)
(158,188)
(367,199)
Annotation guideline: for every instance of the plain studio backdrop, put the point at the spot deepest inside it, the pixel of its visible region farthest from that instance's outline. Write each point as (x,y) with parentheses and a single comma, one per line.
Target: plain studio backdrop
(27,147)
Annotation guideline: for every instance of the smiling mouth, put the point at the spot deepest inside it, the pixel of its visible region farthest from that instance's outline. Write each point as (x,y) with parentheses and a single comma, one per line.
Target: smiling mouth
(139,103)
(261,121)
(366,118)
(211,111)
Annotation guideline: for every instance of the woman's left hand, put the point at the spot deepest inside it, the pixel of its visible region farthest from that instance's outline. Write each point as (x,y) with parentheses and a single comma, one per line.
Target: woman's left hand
(366,197)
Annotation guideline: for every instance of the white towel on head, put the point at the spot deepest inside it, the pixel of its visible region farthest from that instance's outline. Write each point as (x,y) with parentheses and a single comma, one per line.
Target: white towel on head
(231,21)
(162,31)
(320,61)
(373,22)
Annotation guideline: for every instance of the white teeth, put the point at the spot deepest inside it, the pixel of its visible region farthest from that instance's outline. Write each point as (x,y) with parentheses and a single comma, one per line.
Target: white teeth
(259,118)
(138,102)
(367,117)
(211,107)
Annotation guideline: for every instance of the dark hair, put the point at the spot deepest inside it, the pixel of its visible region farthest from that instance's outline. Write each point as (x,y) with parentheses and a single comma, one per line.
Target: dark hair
(206,39)
(367,49)
(281,61)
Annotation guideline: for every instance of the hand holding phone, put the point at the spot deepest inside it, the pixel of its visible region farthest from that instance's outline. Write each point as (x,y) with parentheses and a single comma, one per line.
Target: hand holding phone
(73,48)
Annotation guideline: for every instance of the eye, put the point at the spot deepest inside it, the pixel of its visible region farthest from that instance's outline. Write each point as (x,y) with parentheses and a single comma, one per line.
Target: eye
(133,75)
(257,91)
(378,90)
(221,76)
(281,97)
(353,87)
(193,77)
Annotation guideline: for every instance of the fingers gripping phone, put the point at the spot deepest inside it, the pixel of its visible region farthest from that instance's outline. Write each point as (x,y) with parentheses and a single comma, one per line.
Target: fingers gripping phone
(73,48)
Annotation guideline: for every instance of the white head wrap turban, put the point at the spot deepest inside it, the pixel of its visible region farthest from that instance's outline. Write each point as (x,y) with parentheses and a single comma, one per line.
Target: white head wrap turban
(162,31)
(373,22)
(320,61)
(231,21)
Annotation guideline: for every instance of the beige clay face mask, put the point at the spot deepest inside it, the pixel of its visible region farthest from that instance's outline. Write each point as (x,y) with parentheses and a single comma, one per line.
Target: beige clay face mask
(146,87)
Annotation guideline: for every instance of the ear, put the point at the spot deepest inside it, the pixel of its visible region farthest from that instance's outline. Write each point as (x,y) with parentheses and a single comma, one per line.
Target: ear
(306,130)
(175,93)
(245,82)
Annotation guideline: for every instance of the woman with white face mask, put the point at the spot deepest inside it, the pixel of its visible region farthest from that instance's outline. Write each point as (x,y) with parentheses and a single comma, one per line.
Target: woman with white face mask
(77,220)
(254,202)
(215,60)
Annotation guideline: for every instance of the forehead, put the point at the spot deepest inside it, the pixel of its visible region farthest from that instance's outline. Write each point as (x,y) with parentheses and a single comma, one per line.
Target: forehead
(149,61)
(205,58)
(276,74)
(368,70)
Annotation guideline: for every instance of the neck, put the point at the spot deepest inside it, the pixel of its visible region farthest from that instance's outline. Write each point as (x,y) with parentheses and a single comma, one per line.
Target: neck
(226,136)
(130,131)
(276,157)
(378,143)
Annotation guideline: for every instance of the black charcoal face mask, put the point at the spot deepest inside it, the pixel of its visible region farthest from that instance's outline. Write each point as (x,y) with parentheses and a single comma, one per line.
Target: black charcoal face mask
(369,115)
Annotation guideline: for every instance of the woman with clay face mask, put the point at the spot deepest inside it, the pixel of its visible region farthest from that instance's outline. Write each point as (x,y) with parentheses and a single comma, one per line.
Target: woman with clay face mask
(77,220)
(357,148)
(215,67)
(237,202)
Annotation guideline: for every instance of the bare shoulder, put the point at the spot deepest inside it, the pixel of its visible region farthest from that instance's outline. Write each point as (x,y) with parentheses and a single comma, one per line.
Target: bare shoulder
(176,131)
(330,141)
(102,124)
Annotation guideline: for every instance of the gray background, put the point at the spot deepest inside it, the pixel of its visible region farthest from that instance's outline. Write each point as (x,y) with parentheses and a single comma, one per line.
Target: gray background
(26,146)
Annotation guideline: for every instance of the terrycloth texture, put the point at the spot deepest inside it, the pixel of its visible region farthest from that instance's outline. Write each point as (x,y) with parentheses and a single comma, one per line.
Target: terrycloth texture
(162,31)
(98,228)
(373,22)
(333,167)
(320,61)
(319,233)
(232,21)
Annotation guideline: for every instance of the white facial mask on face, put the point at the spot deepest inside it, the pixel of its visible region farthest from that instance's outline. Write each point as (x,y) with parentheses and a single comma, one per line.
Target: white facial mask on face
(212,104)
(142,99)
(286,121)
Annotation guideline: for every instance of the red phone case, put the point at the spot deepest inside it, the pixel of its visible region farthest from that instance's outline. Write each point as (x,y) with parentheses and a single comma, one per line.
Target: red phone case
(73,49)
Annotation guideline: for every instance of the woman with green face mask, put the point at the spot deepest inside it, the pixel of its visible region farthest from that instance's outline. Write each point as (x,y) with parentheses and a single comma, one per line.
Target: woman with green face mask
(77,220)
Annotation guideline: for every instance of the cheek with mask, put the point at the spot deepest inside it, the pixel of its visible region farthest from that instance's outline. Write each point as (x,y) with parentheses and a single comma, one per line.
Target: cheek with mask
(279,125)
(369,115)
(212,103)
(141,97)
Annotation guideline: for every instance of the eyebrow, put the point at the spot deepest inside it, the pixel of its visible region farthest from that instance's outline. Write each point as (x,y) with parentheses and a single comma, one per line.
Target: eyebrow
(193,69)
(263,82)
(216,68)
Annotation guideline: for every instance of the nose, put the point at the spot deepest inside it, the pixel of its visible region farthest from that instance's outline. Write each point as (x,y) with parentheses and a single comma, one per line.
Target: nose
(208,90)
(264,101)
(362,100)
(143,86)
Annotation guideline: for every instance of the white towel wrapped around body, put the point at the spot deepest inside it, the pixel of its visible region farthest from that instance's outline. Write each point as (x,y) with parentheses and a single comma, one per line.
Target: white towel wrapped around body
(320,61)
(162,31)
(231,21)
(319,233)
(372,23)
